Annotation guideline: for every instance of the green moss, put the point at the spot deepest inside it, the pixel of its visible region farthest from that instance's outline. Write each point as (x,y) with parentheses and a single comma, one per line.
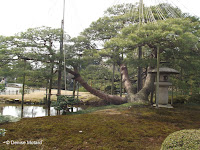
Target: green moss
(182,140)
(135,127)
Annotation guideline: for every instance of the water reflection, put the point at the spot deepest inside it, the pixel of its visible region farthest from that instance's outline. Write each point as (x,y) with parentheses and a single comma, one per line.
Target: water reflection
(29,111)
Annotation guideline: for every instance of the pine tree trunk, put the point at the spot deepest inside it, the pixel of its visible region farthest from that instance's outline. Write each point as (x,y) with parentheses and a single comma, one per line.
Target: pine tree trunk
(139,81)
(126,81)
(50,88)
(121,85)
(113,80)
(74,88)
(141,96)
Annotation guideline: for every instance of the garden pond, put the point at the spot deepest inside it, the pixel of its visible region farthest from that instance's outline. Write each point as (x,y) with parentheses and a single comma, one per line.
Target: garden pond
(30,111)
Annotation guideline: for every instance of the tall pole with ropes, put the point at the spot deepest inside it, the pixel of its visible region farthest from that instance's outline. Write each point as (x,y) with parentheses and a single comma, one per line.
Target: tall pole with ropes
(141,20)
(61,52)
(65,75)
(141,12)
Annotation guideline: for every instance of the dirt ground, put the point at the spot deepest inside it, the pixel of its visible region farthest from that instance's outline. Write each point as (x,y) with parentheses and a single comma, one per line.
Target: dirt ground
(39,95)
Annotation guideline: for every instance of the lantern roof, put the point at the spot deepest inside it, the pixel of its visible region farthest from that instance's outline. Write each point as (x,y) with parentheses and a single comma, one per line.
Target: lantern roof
(165,70)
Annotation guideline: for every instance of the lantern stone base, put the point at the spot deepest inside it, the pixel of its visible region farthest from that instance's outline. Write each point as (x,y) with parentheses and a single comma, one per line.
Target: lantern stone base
(163,106)
(163,92)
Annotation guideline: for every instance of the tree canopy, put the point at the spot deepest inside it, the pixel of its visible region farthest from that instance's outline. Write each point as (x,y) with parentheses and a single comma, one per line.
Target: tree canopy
(112,40)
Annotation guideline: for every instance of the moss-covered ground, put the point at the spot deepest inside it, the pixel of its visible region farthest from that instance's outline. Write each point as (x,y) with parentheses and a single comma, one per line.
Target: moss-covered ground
(123,127)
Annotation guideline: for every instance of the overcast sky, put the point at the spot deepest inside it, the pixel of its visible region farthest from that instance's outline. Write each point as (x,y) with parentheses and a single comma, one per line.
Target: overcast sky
(19,15)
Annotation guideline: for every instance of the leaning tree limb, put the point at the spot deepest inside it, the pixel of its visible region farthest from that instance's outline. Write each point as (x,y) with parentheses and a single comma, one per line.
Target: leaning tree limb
(113,99)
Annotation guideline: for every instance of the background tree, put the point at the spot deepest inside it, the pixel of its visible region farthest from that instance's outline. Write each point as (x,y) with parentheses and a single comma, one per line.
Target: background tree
(39,46)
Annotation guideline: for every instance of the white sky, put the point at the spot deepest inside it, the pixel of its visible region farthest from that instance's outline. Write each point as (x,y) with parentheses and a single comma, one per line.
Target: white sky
(19,15)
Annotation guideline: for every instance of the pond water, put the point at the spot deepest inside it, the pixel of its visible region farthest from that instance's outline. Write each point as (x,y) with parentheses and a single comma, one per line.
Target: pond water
(29,111)
(15,91)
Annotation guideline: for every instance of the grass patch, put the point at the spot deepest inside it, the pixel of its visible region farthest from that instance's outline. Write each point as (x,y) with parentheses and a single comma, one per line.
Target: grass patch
(136,126)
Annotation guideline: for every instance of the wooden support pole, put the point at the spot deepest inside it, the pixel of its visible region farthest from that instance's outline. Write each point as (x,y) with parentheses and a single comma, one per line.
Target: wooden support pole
(158,76)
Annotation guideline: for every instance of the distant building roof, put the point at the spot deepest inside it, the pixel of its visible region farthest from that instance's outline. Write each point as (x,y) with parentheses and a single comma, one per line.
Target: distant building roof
(14,85)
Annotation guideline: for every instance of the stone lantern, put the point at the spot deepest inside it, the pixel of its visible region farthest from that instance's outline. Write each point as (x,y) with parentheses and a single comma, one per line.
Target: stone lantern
(163,85)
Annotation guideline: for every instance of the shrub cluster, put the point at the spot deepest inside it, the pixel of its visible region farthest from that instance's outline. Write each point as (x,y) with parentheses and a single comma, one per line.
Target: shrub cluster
(184,139)
(183,99)
(194,99)
(64,101)
(7,118)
